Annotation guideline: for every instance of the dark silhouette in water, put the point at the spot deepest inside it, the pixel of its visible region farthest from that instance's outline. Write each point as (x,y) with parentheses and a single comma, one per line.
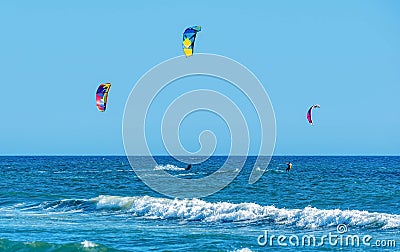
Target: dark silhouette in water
(188,167)
(289,166)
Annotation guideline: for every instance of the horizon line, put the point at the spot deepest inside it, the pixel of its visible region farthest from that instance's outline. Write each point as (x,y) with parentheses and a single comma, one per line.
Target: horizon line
(219,155)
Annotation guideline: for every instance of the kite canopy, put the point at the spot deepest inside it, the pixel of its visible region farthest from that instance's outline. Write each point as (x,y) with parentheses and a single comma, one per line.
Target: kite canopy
(309,113)
(189,36)
(102,95)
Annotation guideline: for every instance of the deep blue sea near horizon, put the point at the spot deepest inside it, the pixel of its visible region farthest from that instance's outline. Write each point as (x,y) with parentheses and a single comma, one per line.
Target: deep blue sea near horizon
(97,203)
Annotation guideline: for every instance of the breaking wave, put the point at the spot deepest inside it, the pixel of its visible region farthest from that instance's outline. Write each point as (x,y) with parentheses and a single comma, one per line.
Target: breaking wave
(168,167)
(199,210)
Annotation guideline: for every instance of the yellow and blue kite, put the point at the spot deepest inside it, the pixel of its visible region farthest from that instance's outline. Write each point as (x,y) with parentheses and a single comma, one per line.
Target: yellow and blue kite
(189,36)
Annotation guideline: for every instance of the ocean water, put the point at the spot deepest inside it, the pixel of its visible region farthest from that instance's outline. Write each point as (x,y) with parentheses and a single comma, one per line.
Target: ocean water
(99,204)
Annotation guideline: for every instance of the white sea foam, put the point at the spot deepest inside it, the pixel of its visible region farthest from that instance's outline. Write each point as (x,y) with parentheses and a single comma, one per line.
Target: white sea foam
(243,250)
(168,167)
(186,174)
(88,244)
(199,210)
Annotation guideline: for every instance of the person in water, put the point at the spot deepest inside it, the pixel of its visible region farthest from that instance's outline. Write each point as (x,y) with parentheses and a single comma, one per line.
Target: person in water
(289,166)
(188,167)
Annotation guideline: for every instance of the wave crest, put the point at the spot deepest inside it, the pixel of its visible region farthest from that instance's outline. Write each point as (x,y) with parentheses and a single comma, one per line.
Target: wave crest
(199,210)
(168,167)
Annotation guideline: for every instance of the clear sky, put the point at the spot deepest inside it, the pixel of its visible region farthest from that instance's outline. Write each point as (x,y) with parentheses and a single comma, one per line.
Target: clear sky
(343,55)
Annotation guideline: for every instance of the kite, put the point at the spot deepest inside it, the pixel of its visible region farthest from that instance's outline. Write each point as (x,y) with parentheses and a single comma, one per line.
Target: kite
(102,95)
(189,36)
(309,113)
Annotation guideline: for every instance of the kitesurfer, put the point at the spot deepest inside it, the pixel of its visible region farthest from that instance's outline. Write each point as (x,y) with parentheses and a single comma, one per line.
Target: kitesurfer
(289,166)
(188,167)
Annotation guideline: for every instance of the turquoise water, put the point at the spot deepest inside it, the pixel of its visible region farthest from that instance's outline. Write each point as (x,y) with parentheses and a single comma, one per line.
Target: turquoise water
(98,204)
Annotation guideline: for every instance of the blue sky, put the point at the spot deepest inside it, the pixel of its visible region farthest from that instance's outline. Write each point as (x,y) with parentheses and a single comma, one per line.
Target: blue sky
(344,55)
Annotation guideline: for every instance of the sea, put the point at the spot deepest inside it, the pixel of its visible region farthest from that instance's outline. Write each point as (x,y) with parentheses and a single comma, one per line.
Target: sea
(98,203)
